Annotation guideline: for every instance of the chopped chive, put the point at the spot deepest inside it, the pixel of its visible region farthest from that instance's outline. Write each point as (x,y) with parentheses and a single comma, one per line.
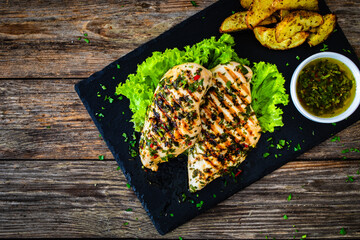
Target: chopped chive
(86,40)
(117,66)
(335,139)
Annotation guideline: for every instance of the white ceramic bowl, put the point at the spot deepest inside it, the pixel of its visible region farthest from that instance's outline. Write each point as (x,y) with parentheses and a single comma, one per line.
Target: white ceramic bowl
(353,68)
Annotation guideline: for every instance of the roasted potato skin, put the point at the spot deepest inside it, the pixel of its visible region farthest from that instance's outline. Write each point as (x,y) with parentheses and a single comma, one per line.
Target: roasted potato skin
(246,3)
(322,32)
(311,5)
(237,22)
(259,11)
(297,21)
(266,36)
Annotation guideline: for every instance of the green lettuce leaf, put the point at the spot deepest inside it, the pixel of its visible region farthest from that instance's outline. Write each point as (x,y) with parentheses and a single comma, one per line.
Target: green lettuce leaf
(139,87)
(267,92)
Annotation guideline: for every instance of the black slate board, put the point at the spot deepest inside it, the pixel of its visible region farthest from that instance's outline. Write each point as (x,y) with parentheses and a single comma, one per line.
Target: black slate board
(161,193)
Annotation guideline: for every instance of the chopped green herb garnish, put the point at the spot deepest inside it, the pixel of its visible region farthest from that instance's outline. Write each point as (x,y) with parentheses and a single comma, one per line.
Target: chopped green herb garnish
(128,210)
(101,157)
(297,57)
(358,172)
(86,40)
(335,139)
(117,66)
(126,223)
(325,47)
(334,124)
(287,64)
(118,168)
(303,236)
(345,151)
(228,84)
(285,217)
(128,185)
(194,3)
(266,154)
(200,204)
(85,34)
(269,139)
(300,128)
(343,231)
(289,197)
(214,195)
(171,215)
(350,179)
(297,147)
(180,238)
(98,94)
(125,136)
(103,87)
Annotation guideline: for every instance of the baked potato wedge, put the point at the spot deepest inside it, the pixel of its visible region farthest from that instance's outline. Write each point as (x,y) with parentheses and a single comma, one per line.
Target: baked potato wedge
(237,22)
(266,36)
(323,31)
(246,3)
(283,13)
(311,5)
(297,21)
(258,12)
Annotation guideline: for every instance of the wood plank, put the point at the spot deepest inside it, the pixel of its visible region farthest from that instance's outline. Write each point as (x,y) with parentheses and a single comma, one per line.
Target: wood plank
(90,198)
(48,121)
(41,39)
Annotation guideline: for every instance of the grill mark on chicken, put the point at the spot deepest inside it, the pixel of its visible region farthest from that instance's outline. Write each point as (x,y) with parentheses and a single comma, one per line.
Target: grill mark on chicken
(230,127)
(173,122)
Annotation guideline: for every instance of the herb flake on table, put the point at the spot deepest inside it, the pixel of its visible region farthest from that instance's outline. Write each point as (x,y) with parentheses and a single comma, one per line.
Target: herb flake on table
(343,231)
(101,157)
(335,139)
(194,3)
(128,210)
(289,197)
(285,217)
(350,179)
(128,186)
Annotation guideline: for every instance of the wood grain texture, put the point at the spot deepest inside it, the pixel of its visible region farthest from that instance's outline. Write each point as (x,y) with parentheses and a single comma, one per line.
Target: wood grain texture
(40,39)
(89,199)
(44,119)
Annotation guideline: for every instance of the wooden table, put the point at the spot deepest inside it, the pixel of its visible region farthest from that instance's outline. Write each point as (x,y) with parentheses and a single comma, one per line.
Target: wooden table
(52,183)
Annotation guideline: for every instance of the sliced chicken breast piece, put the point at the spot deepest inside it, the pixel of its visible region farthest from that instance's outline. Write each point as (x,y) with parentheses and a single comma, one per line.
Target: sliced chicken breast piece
(229,126)
(173,121)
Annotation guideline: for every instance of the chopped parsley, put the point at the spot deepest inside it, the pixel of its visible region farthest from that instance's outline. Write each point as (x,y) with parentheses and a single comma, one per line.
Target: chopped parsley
(214,195)
(103,87)
(297,147)
(128,185)
(126,223)
(194,3)
(343,231)
(350,179)
(118,168)
(285,217)
(325,47)
(101,157)
(128,210)
(125,136)
(334,124)
(200,204)
(228,84)
(297,57)
(266,154)
(303,236)
(171,215)
(335,139)
(117,66)
(289,197)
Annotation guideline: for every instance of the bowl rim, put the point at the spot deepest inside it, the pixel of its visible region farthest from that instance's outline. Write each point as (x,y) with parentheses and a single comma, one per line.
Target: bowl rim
(354,70)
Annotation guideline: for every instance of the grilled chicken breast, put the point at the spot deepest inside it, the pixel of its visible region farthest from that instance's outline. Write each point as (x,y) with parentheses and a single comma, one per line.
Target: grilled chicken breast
(229,126)
(173,122)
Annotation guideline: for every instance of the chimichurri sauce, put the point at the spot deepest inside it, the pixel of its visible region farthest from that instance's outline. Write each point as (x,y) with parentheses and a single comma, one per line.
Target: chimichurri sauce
(325,87)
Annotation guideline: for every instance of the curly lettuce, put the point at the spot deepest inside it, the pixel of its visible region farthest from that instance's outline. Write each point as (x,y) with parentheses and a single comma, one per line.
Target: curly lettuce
(267,93)
(139,87)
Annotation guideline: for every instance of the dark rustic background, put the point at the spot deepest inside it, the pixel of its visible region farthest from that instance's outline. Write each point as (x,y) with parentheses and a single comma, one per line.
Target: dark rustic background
(51,181)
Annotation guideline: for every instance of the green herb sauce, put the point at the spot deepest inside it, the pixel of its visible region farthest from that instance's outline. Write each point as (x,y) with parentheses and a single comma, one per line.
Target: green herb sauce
(326,87)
